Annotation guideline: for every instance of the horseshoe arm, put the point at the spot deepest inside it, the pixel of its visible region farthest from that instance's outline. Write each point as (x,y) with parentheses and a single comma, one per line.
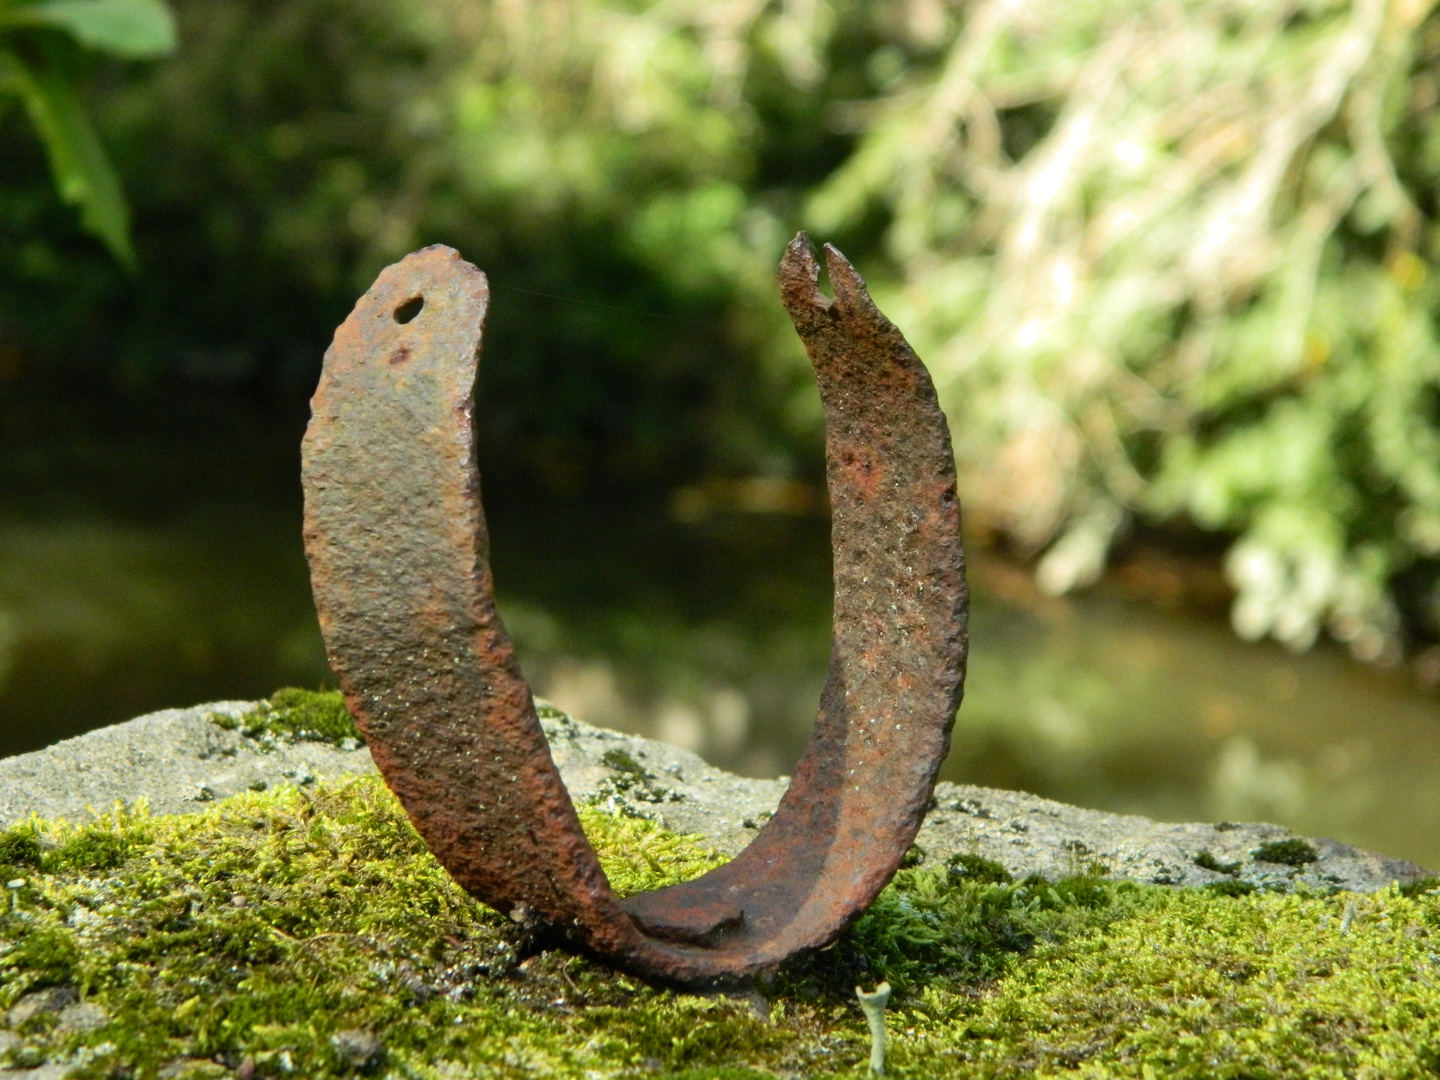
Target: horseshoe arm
(399,561)
(897,663)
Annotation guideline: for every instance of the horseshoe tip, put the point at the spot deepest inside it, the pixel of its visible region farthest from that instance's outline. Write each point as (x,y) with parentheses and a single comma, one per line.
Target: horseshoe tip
(799,260)
(439,260)
(836,262)
(799,276)
(845,280)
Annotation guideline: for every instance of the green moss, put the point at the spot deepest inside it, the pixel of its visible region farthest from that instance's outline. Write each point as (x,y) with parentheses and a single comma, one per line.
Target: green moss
(1230,888)
(1256,986)
(1292,852)
(275,926)
(638,855)
(914,856)
(631,779)
(19,848)
(293,714)
(46,955)
(96,849)
(623,762)
(929,930)
(1207,861)
(977,868)
(1421,887)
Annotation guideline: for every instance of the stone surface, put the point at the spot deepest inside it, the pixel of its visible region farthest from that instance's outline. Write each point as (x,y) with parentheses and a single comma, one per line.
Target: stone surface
(52,999)
(40,1072)
(361,1050)
(180,760)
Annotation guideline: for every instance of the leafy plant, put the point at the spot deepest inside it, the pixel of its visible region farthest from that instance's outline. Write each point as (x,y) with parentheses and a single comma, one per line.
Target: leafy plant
(1168,263)
(1171,263)
(42,56)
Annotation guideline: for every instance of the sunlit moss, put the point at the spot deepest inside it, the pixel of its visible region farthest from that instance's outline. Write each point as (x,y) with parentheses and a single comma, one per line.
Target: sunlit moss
(292,713)
(276,925)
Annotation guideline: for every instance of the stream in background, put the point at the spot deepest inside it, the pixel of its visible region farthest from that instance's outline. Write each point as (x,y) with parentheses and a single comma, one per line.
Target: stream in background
(150,557)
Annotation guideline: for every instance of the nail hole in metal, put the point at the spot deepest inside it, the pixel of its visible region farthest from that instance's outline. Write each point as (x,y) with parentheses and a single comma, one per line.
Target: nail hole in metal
(409,309)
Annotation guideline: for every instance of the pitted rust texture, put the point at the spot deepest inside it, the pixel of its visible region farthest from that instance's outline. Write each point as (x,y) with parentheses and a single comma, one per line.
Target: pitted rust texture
(395,533)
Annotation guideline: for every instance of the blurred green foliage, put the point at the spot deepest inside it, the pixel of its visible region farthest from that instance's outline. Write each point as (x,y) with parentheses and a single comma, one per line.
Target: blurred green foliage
(1171,262)
(1168,263)
(41,47)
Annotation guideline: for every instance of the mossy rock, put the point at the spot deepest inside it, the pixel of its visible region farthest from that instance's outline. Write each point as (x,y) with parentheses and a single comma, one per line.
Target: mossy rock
(309,933)
(294,714)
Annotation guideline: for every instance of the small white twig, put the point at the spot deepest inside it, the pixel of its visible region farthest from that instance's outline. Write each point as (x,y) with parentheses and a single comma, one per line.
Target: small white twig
(1347,918)
(873,1005)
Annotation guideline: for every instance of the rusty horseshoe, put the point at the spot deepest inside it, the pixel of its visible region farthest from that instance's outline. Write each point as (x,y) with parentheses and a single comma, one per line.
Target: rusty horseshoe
(396,538)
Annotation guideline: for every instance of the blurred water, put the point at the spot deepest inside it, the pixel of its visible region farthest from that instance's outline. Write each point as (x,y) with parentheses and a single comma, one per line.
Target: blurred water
(1095,701)
(150,556)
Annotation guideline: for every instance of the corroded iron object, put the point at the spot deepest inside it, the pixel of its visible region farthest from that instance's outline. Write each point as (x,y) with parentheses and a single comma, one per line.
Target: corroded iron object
(396,537)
